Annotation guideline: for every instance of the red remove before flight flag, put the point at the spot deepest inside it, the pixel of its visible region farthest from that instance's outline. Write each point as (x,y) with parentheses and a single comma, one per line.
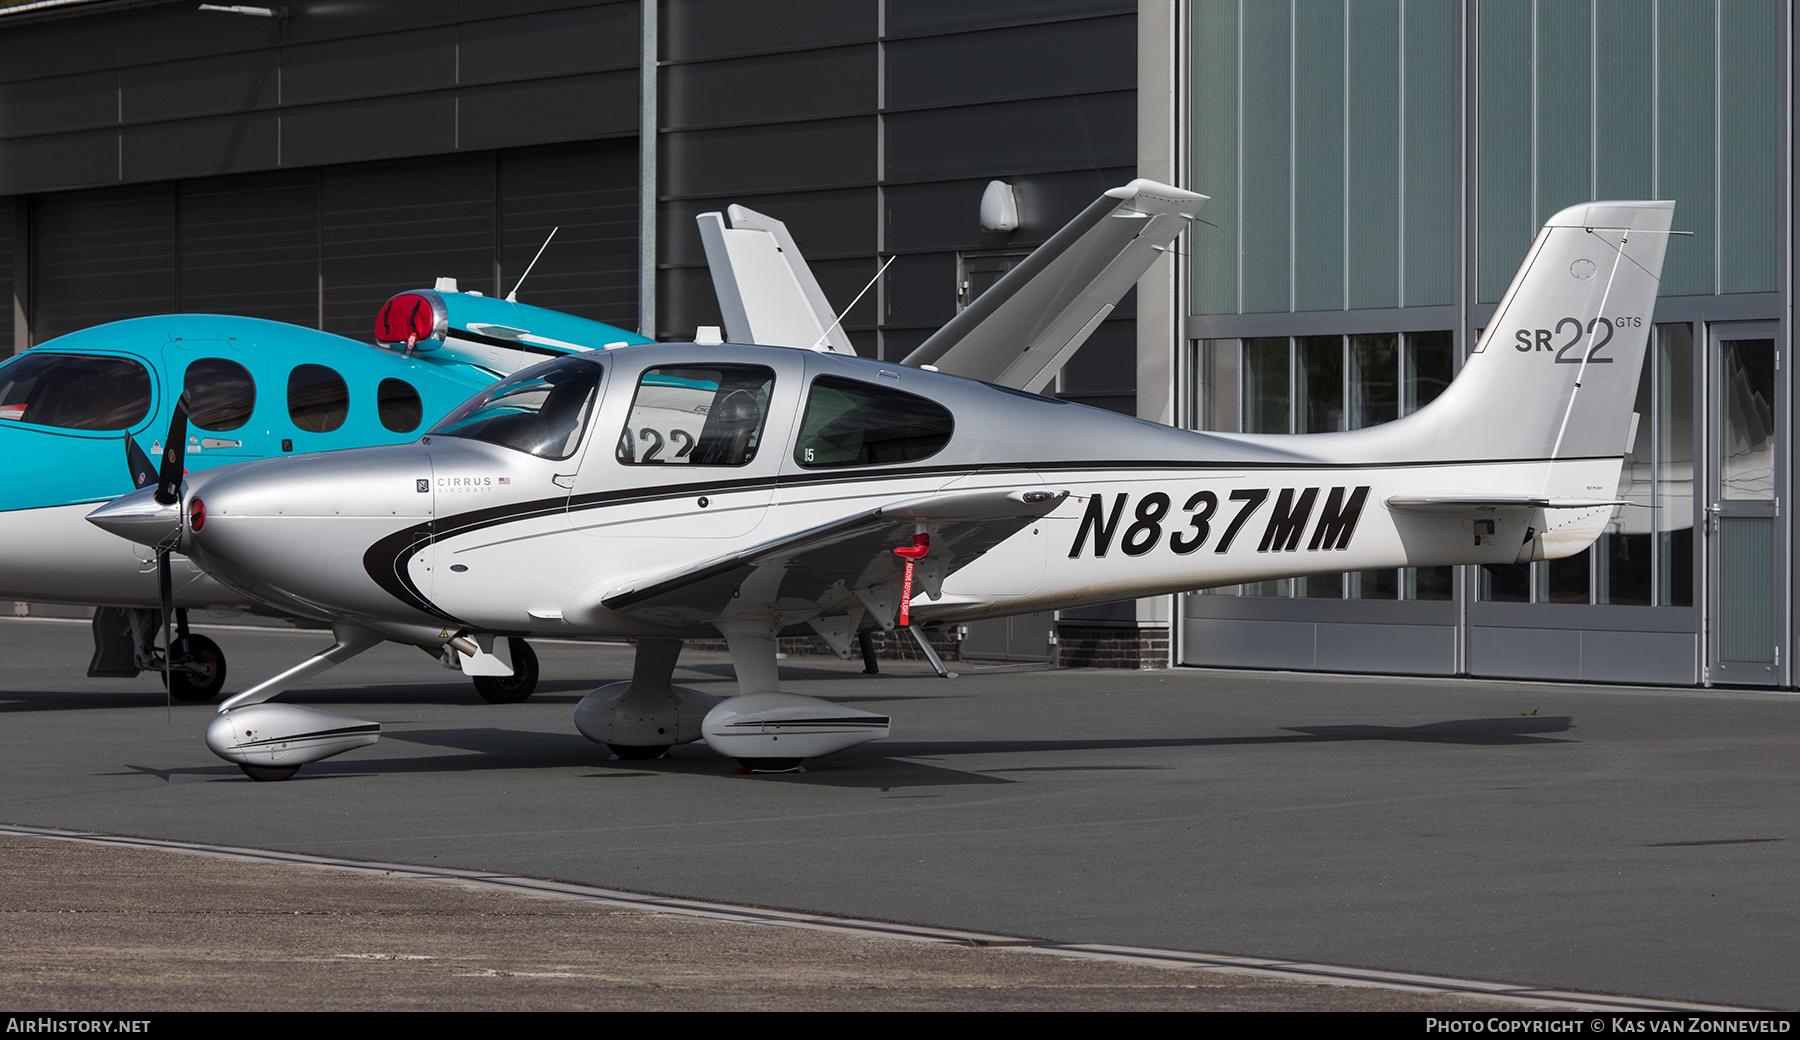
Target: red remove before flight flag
(916,551)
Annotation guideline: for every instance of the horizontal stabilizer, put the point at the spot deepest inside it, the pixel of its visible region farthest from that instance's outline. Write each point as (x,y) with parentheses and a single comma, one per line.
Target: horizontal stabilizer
(1023,330)
(1438,505)
(767,293)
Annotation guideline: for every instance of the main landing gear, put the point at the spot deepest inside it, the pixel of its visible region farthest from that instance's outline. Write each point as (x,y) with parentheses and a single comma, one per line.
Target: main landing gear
(125,645)
(761,727)
(511,689)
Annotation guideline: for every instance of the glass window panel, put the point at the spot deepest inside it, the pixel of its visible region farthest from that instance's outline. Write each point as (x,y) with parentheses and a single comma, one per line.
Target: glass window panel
(851,423)
(1215,102)
(1374,380)
(542,409)
(1509,583)
(696,415)
(1374,147)
(1265,131)
(1428,583)
(1220,370)
(1747,406)
(1504,228)
(318,398)
(1321,390)
(1749,138)
(75,392)
(1430,144)
(1684,161)
(1430,365)
(1383,584)
(399,405)
(221,394)
(1566,580)
(1265,380)
(1319,155)
(1280,588)
(1320,586)
(1624,553)
(1675,465)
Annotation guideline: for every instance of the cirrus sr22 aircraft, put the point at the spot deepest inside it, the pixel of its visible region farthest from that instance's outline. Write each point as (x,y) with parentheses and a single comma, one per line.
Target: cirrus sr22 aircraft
(664,493)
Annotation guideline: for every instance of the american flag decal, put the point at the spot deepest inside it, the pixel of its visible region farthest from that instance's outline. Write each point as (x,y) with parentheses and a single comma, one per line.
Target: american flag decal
(505,480)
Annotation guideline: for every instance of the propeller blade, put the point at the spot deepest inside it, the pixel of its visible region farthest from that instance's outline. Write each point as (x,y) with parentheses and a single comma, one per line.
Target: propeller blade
(166,585)
(143,472)
(174,460)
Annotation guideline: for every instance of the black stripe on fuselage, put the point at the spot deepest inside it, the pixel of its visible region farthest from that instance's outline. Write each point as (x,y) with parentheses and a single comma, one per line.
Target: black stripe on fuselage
(385,560)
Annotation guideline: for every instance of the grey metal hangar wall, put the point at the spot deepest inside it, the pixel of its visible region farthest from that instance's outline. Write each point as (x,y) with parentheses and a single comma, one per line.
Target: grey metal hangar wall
(304,169)
(160,158)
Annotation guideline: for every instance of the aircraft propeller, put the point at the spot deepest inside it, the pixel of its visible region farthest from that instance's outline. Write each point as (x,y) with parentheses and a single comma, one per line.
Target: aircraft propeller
(168,493)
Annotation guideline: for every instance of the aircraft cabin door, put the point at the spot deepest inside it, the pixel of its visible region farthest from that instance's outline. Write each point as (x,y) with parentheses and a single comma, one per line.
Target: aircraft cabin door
(1746,595)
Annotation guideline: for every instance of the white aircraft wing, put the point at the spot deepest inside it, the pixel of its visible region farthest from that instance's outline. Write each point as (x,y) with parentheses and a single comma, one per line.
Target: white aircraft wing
(767,293)
(844,567)
(1023,330)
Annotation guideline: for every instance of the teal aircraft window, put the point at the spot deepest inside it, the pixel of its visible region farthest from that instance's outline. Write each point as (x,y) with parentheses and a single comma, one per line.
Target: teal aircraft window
(221,394)
(542,410)
(851,423)
(399,404)
(318,398)
(74,392)
(697,415)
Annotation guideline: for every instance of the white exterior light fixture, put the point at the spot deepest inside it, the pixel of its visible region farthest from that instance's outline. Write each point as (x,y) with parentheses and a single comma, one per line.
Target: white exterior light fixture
(999,207)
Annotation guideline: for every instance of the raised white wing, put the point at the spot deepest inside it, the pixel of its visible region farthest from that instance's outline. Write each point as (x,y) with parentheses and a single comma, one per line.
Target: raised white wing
(1023,330)
(841,569)
(767,293)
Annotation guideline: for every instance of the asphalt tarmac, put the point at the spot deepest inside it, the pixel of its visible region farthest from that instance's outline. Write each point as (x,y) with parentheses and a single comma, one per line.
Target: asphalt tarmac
(1595,839)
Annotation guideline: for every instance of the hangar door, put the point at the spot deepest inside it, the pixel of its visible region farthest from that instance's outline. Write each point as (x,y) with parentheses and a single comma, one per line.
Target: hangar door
(325,247)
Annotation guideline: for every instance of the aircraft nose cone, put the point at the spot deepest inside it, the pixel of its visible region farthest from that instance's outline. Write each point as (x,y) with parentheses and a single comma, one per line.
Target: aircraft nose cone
(140,518)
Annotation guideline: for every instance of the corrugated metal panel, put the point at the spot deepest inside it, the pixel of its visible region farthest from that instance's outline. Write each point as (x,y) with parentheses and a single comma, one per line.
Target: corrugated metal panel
(249,245)
(102,256)
(590,191)
(387,227)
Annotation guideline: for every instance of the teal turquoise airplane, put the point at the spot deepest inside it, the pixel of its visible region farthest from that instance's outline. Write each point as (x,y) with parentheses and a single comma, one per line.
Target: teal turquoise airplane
(82,418)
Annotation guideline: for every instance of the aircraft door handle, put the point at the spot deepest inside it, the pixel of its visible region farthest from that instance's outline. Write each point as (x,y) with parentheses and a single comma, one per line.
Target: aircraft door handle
(566,481)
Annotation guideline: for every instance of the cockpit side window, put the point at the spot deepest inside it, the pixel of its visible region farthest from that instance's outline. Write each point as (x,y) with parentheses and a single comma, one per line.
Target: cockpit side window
(542,410)
(852,423)
(221,394)
(697,415)
(74,391)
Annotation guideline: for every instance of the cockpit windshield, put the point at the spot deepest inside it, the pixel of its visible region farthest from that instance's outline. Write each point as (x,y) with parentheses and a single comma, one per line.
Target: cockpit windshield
(542,410)
(74,391)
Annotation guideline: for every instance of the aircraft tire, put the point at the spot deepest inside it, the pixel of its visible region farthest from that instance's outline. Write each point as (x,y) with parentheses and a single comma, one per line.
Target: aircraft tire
(628,752)
(770,765)
(189,688)
(265,774)
(511,689)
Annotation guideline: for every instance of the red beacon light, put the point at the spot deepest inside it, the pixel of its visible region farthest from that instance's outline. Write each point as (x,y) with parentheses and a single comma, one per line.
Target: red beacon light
(412,321)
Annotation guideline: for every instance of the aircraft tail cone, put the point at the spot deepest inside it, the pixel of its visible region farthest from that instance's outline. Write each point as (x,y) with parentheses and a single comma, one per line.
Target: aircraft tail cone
(140,518)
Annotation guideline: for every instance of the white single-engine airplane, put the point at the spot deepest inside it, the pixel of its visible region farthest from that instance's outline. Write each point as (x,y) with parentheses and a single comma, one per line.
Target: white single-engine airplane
(665,493)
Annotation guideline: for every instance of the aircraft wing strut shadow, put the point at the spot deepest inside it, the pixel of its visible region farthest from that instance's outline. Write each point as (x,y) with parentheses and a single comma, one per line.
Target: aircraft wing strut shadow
(669,492)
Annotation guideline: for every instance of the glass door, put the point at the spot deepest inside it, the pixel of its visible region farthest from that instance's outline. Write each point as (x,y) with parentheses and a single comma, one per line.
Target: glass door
(1747,596)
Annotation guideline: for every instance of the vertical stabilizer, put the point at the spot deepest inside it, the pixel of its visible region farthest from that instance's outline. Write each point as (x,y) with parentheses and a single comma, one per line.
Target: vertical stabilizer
(767,293)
